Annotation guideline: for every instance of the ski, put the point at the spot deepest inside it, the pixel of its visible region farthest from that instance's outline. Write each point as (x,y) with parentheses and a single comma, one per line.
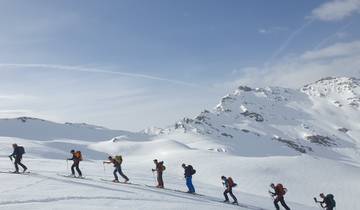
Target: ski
(250,207)
(230,203)
(108,180)
(173,190)
(71,176)
(156,187)
(242,205)
(19,173)
(112,181)
(187,192)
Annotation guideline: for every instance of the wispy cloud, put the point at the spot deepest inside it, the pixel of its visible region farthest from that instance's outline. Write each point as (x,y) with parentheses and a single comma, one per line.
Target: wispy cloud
(339,34)
(16,97)
(103,97)
(336,10)
(333,51)
(12,112)
(271,30)
(286,43)
(340,59)
(94,70)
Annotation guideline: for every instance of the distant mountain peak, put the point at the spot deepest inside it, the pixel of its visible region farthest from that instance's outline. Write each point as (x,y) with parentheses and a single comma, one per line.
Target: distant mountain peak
(296,117)
(340,90)
(85,125)
(329,85)
(39,129)
(26,119)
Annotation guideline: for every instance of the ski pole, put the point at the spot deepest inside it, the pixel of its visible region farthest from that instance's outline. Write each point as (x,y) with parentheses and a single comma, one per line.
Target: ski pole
(67,165)
(320,207)
(318,203)
(271,195)
(154,177)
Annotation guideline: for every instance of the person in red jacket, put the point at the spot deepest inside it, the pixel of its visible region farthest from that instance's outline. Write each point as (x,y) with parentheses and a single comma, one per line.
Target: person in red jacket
(229,184)
(278,194)
(159,168)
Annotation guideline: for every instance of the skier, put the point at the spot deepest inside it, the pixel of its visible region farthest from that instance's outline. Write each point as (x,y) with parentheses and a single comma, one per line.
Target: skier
(279,192)
(117,161)
(229,184)
(189,172)
(328,200)
(76,157)
(18,152)
(160,168)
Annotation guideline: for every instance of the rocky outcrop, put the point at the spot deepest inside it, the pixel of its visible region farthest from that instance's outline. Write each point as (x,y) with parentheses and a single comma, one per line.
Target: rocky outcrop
(321,140)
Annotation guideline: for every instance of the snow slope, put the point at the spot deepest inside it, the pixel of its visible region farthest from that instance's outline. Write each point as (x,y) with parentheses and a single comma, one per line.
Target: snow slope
(38,129)
(321,119)
(308,139)
(44,189)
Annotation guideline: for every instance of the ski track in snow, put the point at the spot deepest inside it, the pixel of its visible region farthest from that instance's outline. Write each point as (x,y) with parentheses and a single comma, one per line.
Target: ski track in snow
(25,186)
(90,182)
(65,198)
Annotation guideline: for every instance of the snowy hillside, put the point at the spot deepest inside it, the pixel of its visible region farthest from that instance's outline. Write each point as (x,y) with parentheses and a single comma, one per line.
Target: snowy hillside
(38,129)
(306,139)
(321,119)
(46,188)
(302,138)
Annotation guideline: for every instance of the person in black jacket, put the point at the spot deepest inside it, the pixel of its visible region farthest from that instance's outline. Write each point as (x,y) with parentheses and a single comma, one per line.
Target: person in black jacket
(189,172)
(328,201)
(17,154)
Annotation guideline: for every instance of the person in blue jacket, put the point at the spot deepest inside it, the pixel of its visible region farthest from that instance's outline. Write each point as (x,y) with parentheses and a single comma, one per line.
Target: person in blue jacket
(189,172)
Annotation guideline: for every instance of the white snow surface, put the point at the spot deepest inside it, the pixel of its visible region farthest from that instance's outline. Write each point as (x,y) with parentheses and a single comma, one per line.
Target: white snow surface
(307,139)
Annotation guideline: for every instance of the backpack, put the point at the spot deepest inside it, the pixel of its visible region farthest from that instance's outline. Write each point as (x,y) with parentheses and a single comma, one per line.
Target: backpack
(21,150)
(192,170)
(330,201)
(161,166)
(118,158)
(78,155)
(231,182)
(280,189)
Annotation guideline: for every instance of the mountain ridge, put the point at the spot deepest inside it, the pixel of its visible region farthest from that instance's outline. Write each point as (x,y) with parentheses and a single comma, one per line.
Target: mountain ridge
(313,119)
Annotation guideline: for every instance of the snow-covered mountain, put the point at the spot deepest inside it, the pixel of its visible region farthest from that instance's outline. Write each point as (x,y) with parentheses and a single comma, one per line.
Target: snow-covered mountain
(305,138)
(39,129)
(321,119)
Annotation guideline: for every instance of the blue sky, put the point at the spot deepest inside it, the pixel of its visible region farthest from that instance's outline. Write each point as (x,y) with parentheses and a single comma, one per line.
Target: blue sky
(133,64)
